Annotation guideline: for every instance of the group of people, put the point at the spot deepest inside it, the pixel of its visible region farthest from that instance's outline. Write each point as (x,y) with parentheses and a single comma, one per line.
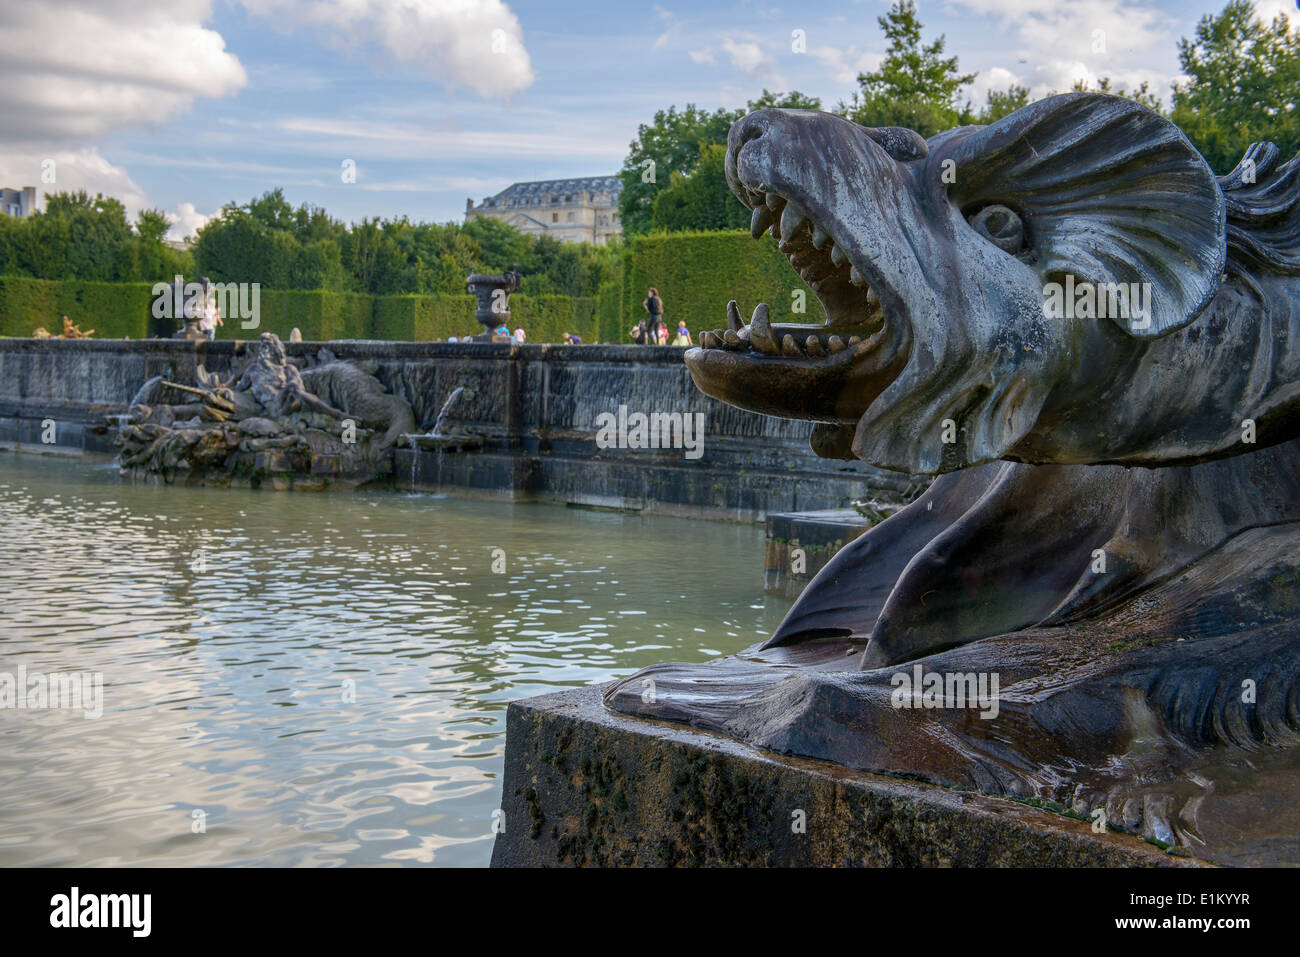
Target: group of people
(653,331)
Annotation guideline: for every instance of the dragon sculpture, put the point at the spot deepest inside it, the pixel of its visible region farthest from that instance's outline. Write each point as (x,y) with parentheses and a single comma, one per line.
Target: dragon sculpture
(1094,343)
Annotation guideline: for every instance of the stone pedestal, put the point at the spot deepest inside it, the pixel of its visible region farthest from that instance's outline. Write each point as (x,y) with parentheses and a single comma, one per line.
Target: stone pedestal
(586,787)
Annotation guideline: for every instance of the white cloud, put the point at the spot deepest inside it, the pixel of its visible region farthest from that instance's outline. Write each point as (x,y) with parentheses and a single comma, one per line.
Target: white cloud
(592,140)
(1267,10)
(72,170)
(85,169)
(846,64)
(76,70)
(473,43)
(702,56)
(186,221)
(1065,41)
(747,56)
(995,79)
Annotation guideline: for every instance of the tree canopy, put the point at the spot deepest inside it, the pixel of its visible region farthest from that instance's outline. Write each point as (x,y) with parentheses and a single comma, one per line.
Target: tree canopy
(1243,85)
(666,153)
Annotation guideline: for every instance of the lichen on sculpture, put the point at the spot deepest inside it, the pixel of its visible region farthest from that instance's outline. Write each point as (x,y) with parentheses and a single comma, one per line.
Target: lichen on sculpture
(332,424)
(1113,532)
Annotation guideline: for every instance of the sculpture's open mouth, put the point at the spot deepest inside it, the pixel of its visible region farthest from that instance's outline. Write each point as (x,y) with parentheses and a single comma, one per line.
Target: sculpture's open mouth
(828,373)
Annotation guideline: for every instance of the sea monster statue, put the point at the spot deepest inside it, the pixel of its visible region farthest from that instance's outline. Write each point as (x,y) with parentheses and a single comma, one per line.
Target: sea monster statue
(1094,343)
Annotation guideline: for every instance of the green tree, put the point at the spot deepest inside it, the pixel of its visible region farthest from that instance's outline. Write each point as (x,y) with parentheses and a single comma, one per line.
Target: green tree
(916,85)
(500,243)
(670,148)
(235,247)
(1243,85)
(702,199)
(152,225)
(78,236)
(671,143)
(999,103)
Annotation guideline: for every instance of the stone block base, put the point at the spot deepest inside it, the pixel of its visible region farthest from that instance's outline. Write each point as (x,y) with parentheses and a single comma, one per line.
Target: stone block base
(586,787)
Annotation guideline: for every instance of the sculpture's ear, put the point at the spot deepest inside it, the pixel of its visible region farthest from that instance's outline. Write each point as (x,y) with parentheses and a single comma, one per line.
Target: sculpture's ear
(1109,192)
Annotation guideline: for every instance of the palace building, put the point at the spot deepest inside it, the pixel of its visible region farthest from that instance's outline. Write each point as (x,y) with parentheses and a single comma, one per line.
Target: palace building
(571,210)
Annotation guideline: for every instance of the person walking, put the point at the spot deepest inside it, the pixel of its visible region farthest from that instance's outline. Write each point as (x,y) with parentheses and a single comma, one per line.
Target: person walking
(640,334)
(655,307)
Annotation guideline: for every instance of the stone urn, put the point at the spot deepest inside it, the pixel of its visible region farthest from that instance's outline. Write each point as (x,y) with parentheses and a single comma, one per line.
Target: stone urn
(493,294)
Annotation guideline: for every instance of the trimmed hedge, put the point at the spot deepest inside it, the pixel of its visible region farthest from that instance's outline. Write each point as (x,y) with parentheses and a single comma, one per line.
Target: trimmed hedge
(318,314)
(610,326)
(114,310)
(429,318)
(117,309)
(696,273)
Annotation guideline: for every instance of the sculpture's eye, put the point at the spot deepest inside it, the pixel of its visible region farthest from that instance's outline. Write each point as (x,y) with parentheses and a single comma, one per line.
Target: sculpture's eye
(1000,226)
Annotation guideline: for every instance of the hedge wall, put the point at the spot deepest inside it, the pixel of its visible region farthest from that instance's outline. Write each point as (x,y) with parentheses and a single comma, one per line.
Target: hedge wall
(114,310)
(696,273)
(319,315)
(428,318)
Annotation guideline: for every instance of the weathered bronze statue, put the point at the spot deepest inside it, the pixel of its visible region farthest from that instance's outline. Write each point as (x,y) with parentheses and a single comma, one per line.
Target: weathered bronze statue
(1094,342)
(332,423)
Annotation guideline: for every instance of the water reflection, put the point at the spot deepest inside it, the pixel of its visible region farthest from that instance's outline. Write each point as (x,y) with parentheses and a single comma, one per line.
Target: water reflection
(324,677)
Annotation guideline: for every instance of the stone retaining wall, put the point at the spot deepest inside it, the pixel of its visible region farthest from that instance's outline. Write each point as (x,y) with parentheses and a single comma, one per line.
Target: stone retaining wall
(537,407)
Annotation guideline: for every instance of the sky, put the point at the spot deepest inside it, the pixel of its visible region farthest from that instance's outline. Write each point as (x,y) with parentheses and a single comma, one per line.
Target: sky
(408,107)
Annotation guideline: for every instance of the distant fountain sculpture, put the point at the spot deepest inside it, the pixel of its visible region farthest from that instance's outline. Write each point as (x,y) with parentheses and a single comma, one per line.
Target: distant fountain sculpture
(1097,602)
(272,423)
(187,308)
(493,293)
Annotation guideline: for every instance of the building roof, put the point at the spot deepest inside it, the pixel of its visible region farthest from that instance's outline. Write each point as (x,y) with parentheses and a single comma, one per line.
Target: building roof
(525,192)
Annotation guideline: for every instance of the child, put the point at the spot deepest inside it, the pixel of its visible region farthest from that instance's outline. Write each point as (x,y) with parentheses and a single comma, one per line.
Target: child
(683,337)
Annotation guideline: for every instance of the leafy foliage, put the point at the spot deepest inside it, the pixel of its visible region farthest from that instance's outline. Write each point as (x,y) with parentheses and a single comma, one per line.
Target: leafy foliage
(1243,85)
(667,151)
(916,85)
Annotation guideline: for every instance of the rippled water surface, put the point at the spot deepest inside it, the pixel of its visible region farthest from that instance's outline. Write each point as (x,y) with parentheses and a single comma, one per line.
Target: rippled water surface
(324,677)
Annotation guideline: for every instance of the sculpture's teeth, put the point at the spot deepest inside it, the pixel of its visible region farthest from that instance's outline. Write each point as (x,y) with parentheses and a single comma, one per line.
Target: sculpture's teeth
(730,340)
(820,237)
(743,334)
(791,220)
(710,341)
(813,346)
(854,340)
(856,277)
(873,297)
(775,202)
(760,332)
(835,344)
(837,256)
(761,220)
(733,316)
(788,346)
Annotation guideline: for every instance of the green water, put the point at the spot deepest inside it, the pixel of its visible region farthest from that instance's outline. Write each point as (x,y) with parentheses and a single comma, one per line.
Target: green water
(323,677)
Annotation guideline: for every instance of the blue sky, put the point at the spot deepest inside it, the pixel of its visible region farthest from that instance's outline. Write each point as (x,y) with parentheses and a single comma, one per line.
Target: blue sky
(189,104)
